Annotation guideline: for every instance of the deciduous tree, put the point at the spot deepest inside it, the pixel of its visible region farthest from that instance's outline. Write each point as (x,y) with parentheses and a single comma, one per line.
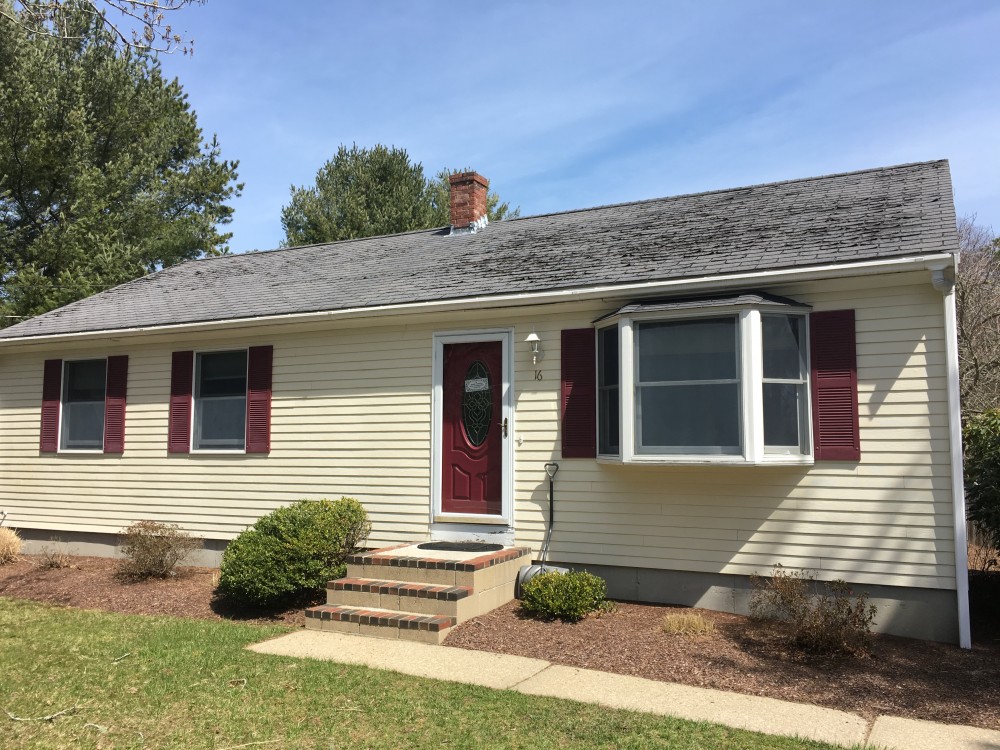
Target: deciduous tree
(139,24)
(977,290)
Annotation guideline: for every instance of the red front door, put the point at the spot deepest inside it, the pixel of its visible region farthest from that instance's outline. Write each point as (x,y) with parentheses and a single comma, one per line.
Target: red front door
(472,429)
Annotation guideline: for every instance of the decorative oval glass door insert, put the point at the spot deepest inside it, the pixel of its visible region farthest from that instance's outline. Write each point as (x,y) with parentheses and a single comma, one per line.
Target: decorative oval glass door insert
(477,403)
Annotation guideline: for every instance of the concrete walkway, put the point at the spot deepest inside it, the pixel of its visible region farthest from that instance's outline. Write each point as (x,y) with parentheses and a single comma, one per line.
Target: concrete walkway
(537,677)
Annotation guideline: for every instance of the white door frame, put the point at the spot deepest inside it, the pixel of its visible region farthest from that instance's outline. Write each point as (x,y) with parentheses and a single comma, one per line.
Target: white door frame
(468,522)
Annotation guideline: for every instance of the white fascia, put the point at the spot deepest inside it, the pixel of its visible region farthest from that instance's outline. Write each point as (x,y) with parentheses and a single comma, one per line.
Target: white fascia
(617,291)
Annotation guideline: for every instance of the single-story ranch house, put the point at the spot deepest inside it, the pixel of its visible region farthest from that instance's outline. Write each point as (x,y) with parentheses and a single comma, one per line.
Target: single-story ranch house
(727,381)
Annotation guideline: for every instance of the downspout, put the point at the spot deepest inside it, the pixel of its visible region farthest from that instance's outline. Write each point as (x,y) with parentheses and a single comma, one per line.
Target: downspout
(945,284)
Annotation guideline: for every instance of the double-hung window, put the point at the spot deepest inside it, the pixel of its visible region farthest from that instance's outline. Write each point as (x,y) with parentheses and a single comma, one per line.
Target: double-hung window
(220,400)
(723,380)
(84,387)
(83,405)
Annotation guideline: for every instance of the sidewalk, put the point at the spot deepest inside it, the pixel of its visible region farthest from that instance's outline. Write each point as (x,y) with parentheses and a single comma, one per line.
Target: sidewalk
(537,677)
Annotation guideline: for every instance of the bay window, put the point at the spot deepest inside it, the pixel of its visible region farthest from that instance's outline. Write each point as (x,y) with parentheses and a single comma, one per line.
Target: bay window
(723,380)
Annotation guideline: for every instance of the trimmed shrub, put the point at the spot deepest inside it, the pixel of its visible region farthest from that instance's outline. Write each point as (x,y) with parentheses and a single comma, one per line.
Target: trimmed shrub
(568,596)
(290,554)
(152,550)
(982,476)
(823,617)
(10,545)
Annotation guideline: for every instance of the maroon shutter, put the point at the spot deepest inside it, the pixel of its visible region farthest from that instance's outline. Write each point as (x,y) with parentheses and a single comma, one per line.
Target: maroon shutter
(181,380)
(114,404)
(51,394)
(579,393)
(833,356)
(259,399)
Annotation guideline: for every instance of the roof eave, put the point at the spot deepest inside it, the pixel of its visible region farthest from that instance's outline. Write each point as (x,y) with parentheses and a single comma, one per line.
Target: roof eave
(691,284)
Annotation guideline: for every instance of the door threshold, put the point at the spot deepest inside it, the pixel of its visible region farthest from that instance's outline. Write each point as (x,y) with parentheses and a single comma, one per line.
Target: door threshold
(472,532)
(474,521)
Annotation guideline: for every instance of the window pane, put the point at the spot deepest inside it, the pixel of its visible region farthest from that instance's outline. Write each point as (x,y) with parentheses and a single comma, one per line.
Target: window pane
(607,357)
(220,400)
(690,350)
(222,374)
(85,380)
(83,425)
(83,405)
(688,418)
(782,414)
(783,355)
(608,406)
(220,423)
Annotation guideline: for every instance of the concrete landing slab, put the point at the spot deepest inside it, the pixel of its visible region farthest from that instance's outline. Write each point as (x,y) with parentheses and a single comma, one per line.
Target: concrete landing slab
(418,659)
(910,734)
(753,713)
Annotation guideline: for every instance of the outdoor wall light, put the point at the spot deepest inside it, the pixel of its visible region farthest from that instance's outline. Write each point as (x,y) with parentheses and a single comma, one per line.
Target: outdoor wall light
(536,347)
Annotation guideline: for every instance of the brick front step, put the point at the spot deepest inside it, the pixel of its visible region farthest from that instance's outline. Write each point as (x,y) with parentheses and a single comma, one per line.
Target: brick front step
(382,622)
(401,588)
(405,592)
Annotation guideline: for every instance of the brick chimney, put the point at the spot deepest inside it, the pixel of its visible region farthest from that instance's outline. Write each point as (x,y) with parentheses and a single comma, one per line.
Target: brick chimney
(468,202)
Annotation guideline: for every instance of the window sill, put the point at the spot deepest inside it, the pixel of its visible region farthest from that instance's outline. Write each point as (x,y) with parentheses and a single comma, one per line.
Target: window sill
(217,452)
(81,452)
(706,461)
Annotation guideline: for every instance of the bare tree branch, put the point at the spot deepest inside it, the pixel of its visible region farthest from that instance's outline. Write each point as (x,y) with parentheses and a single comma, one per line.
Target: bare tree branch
(143,26)
(978,300)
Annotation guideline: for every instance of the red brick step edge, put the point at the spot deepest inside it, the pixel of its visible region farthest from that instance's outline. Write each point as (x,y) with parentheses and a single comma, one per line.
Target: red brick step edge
(429,563)
(433,623)
(400,588)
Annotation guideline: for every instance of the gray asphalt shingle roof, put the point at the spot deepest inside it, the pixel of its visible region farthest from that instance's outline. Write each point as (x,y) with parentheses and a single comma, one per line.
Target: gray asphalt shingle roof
(872,214)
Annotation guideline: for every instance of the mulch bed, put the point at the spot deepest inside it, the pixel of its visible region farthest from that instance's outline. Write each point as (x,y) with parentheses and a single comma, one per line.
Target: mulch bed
(89,583)
(903,677)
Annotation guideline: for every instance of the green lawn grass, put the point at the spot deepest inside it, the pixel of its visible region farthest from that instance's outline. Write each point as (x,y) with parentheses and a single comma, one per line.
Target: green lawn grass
(191,684)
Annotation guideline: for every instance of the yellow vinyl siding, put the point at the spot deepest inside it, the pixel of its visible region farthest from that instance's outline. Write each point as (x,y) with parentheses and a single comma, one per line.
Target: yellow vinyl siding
(351,415)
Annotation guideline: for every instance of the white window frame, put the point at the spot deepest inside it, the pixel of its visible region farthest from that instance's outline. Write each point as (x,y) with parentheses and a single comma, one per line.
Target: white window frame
(195,400)
(751,362)
(63,383)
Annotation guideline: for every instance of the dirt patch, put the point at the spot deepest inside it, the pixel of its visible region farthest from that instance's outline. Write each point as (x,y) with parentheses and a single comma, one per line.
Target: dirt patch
(89,583)
(916,679)
(903,677)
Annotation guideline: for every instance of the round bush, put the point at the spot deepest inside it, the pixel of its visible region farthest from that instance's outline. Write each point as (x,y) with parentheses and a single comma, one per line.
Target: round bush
(568,596)
(290,554)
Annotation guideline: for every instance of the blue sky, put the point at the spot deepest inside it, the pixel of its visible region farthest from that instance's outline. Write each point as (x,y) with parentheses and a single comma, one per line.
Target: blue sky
(566,105)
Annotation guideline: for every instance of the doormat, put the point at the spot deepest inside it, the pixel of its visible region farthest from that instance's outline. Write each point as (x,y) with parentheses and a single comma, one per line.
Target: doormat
(461,546)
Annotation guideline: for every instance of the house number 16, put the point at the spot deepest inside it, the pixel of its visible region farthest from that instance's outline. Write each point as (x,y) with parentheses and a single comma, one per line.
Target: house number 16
(538,374)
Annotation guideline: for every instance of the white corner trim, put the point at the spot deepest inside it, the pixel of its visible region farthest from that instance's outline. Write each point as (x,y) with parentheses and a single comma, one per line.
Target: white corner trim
(957,471)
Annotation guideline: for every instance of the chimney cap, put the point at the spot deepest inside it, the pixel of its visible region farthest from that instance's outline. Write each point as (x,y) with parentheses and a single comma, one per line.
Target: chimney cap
(462,177)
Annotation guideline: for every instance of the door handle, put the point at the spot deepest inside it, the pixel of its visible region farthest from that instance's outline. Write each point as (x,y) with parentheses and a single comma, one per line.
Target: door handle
(503,426)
